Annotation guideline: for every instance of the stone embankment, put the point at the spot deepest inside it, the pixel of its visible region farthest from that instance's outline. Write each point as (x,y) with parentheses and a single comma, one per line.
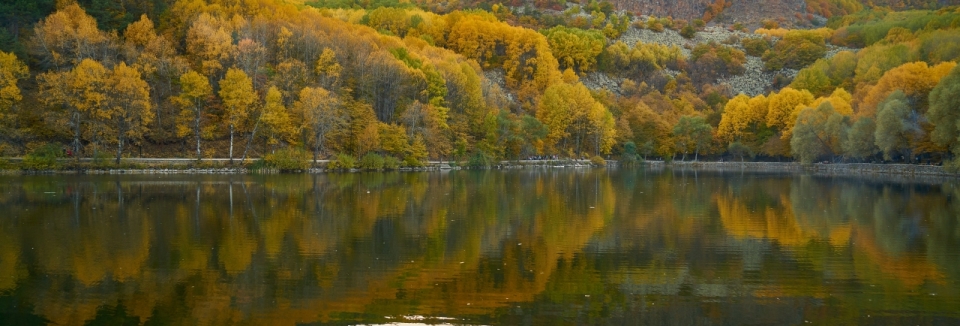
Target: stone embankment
(842,169)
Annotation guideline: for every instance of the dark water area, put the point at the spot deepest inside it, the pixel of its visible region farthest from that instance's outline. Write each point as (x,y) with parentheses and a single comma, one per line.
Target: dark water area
(530,246)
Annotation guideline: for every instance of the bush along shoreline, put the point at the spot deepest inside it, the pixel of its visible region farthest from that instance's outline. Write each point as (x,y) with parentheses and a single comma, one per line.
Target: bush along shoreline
(290,163)
(281,161)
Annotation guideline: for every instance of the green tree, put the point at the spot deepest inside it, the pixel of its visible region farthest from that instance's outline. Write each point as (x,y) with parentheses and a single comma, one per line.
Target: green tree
(893,126)
(860,141)
(694,132)
(813,80)
(805,144)
(739,149)
(944,111)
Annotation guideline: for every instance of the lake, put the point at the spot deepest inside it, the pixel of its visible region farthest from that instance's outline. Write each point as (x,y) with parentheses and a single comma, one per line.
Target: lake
(529,246)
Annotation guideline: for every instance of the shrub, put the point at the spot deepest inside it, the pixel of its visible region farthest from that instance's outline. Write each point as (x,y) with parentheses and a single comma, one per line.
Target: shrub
(43,158)
(796,50)
(699,24)
(342,162)
(102,159)
(372,161)
(629,156)
(731,40)
(770,24)
(738,26)
(598,161)
(391,163)
(756,46)
(654,24)
(288,159)
(413,162)
(740,150)
(480,160)
(688,32)
(710,61)
(256,165)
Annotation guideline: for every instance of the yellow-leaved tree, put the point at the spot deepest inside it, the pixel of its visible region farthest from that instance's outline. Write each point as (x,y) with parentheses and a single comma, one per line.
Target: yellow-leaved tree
(735,119)
(915,79)
(393,139)
(81,93)
(12,70)
(602,129)
(209,44)
(319,112)
(69,36)
(277,125)
(840,99)
(784,107)
(194,91)
(155,56)
(128,104)
(238,97)
(571,115)
(328,69)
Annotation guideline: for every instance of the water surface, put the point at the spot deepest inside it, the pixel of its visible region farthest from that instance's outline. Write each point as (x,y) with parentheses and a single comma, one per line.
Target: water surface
(532,246)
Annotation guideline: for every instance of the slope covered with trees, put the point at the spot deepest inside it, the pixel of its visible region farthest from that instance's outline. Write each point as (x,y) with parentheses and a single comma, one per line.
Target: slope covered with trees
(406,82)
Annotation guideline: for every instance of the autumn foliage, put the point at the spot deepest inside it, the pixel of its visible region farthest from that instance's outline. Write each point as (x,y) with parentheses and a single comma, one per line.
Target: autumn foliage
(216,78)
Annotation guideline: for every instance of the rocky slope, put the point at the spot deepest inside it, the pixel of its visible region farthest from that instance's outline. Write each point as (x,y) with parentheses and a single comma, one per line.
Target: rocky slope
(744,11)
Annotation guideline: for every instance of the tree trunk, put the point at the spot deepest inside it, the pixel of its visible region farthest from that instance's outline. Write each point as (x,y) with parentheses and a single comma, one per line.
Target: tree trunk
(119,146)
(196,133)
(231,144)
(316,148)
(578,146)
(76,136)
(252,136)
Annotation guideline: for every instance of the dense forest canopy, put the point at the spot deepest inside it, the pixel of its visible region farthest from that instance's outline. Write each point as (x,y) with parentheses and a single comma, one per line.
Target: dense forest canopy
(412,81)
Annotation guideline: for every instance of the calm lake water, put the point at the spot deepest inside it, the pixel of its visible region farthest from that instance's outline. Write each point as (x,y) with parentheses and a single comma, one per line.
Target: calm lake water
(533,246)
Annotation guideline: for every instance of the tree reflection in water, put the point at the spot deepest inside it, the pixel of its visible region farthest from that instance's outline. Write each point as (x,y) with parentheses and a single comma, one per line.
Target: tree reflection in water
(533,246)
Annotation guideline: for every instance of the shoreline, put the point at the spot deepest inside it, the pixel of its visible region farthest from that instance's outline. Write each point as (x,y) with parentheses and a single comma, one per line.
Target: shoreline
(842,169)
(219,166)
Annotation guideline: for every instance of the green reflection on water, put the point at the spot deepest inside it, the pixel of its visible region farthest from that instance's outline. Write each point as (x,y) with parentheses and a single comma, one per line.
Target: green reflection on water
(530,246)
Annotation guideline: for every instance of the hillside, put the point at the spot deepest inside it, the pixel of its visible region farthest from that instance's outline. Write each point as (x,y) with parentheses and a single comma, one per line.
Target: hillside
(403,82)
(744,11)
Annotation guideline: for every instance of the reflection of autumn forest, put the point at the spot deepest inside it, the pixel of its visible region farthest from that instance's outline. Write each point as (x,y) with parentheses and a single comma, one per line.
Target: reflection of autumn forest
(565,247)
(413,80)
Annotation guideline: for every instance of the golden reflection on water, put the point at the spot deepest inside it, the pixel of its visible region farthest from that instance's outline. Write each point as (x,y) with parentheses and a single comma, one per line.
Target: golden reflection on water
(529,246)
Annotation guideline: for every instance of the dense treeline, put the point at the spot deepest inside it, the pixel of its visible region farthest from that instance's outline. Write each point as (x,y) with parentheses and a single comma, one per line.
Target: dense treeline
(400,85)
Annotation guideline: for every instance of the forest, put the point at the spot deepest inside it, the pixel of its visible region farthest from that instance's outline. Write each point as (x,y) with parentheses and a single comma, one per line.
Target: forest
(387,83)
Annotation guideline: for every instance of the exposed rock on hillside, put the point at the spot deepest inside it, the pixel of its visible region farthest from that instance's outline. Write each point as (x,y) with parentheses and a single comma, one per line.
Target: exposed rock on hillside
(745,11)
(596,80)
(753,81)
